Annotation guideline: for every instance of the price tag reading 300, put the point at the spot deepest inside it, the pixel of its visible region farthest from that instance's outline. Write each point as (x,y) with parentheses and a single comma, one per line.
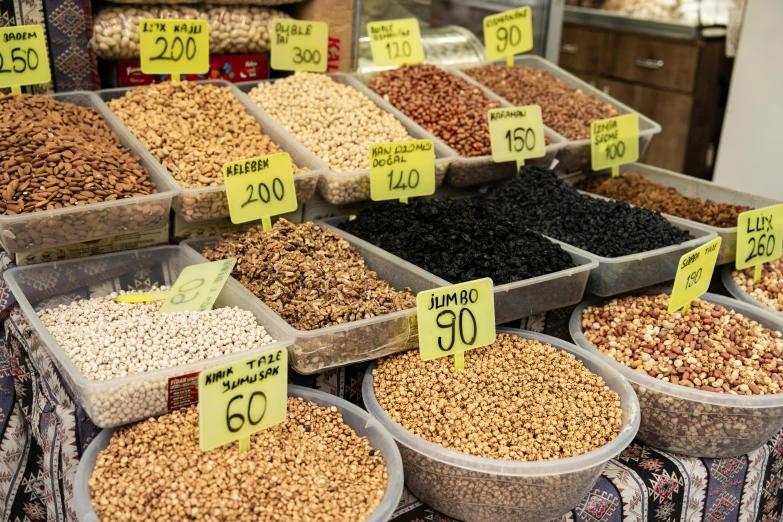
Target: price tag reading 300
(759,237)
(614,142)
(197,287)
(509,33)
(23,59)
(517,134)
(174,47)
(402,170)
(395,42)
(694,273)
(300,45)
(260,188)
(455,319)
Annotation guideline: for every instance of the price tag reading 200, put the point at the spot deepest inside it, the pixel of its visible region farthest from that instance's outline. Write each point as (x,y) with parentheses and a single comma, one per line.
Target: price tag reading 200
(694,273)
(259,188)
(23,59)
(516,133)
(197,287)
(300,45)
(455,319)
(402,170)
(174,47)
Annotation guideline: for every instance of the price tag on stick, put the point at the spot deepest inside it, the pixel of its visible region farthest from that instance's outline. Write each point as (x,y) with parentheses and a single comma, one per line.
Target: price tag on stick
(454,319)
(694,273)
(614,142)
(759,238)
(197,287)
(259,188)
(23,59)
(402,170)
(299,45)
(509,33)
(174,47)
(242,398)
(395,42)
(517,134)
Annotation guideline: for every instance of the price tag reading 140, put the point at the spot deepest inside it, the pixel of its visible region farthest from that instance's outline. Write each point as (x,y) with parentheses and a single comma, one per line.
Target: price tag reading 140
(509,33)
(197,287)
(694,273)
(614,142)
(395,42)
(759,238)
(402,170)
(174,47)
(23,59)
(299,45)
(517,134)
(455,319)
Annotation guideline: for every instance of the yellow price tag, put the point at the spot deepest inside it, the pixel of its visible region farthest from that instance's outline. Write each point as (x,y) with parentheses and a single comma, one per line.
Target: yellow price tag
(197,287)
(402,170)
(694,273)
(23,58)
(300,45)
(242,398)
(174,47)
(517,134)
(614,142)
(508,33)
(395,42)
(759,237)
(455,319)
(259,188)
(140,298)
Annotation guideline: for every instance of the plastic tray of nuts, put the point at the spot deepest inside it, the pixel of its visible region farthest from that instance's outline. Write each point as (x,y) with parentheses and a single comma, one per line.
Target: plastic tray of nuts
(205,203)
(521,298)
(359,420)
(575,154)
(317,350)
(478,489)
(340,188)
(740,294)
(695,422)
(122,400)
(53,228)
(697,188)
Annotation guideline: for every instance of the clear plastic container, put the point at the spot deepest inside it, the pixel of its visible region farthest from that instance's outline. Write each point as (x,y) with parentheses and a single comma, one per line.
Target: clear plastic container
(575,155)
(735,290)
(359,420)
(127,399)
(317,350)
(521,298)
(204,203)
(695,422)
(697,188)
(341,188)
(478,489)
(64,226)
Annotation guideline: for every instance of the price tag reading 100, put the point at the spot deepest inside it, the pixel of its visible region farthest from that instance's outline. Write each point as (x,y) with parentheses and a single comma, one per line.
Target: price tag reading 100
(614,142)
(23,59)
(174,47)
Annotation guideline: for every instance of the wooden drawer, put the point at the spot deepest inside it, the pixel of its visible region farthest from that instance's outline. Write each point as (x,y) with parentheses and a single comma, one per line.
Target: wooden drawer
(661,63)
(582,49)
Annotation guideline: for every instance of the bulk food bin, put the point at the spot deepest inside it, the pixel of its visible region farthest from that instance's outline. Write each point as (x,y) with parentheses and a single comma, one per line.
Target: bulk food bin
(468,171)
(65,226)
(356,341)
(575,155)
(479,489)
(513,300)
(340,188)
(122,400)
(740,294)
(359,420)
(203,203)
(694,422)
(695,188)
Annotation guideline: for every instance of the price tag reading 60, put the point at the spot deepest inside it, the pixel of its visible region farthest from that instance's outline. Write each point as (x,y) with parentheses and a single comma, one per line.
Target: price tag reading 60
(174,47)
(23,59)
(455,319)
(694,273)
(402,170)
(197,287)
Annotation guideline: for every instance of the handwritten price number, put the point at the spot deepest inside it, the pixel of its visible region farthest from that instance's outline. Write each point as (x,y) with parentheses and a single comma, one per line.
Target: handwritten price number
(187,49)
(465,298)
(26,60)
(399,50)
(278,190)
(615,151)
(765,246)
(693,278)
(508,37)
(306,56)
(185,288)
(412,182)
(523,139)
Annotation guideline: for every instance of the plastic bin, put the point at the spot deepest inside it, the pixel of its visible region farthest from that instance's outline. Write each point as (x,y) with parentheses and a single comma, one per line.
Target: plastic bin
(359,420)
(340,188)
(695,422)
(317,350)
(521,298)
(697,188)
(65,226)
(204,203)
(740,294)
(133,397)
(478,489)
(575,155)
(469,171)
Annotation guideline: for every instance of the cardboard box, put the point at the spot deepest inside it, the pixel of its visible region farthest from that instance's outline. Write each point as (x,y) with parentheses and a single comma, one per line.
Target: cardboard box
(339,14)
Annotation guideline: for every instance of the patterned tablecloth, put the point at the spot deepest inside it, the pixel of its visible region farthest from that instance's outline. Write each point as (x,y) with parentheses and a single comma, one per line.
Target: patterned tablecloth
(43,431)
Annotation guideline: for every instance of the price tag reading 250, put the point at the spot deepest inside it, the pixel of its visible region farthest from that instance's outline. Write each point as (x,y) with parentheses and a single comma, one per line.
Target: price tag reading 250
(402,170)
(694,273)
(300,45)
(259,188)
(455,319)
(174,47)
(242,398)
(23,59)
(197,287)
(517,133)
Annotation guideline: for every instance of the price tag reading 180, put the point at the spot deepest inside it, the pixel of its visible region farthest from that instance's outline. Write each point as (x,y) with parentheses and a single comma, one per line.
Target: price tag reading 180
(259,188)
(455,319)
(759,237)
(509,33)
(694,274)
(300,45)
(23,59)
(197,287)
(395,42)
(516,133)
(174,46)
(242,398)
(402,170)
(614,142)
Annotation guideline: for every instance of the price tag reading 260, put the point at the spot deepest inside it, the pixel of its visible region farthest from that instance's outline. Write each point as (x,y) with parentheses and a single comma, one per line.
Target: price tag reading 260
(197,287)
(299,45)
(455,319)
(23,59)
(402,170)
(174,46)
(694,273)
(259,188)
(759,237)
(517,133)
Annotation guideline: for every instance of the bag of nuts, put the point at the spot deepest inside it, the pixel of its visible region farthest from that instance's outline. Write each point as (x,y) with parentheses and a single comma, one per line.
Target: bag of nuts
(232,29)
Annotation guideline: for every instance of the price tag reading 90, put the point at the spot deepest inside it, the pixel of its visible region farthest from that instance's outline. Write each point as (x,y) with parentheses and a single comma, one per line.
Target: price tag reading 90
(300,45)
(395,42)
(23,59)
(174,47)
(516,134)
(455,319)
(509,33)
(401,170)
(197,287)
(694,273)
(759,237)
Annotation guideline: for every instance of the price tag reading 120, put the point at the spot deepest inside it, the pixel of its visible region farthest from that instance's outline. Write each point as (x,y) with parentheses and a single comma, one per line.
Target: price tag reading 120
(395,42)
(242,398)
(402,170)
(509,33)
(174,47)
(23,59)
(759,238)
(693,275)
(260,188)
(299,45)
(455,319)
(197,287)
(614,142)
(517,134)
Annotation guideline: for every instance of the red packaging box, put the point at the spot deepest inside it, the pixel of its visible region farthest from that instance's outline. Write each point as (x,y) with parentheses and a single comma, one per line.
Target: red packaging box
(231,67)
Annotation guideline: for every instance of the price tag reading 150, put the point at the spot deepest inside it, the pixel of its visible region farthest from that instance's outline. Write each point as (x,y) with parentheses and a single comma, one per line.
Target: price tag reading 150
(23,59)
(509,33)
(614,142)
(517,134)
(174,47)
(759,237)
(694,273)
(455,319)
(197,287)
(299,45)
(402,170)
(395,42)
